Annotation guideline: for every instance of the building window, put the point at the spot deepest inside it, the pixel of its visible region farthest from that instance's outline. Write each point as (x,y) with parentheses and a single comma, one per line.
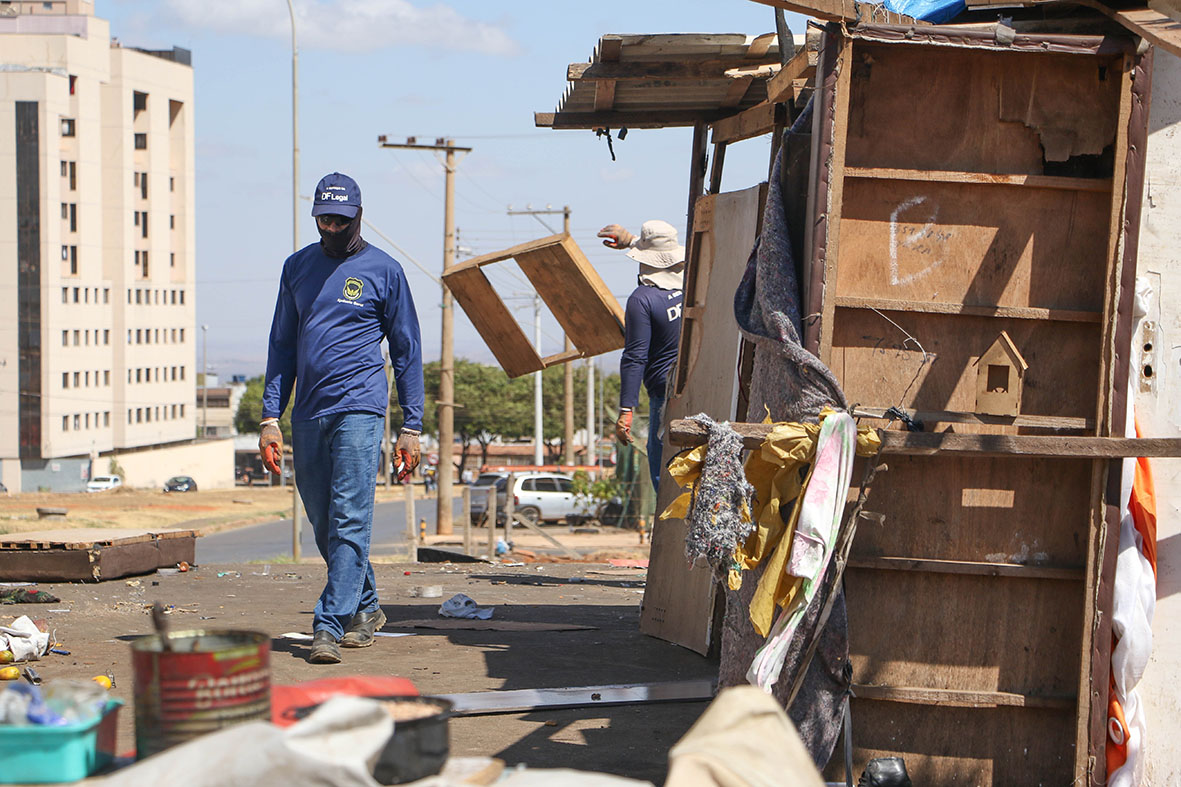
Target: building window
(106,335)
(65,169)
(75,295)
(86,421)
(148,414)
(65,338)
(68,127)
(182,330)
(65,294)
(65,379)
(143,225)
(73,217)
(73,78)
(137,296)
(182,303)
(65,211)
(172,264)
(77,422)
(141,141)
(182,409)
(77,379)
(77,336)
(143,185)
(106,377)
(107,418)
(139,415)
(86,379)
(65,253)
(171,184)
(86,337)
(74,263)
(73,176)
(139,375)
(138,336)
(139,102)
(144,260)
(128,415)
(172,221)
(182,376)
(106,294)
(65,423)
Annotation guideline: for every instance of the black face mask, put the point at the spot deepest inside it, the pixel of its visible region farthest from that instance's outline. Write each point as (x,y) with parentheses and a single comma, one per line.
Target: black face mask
(344,242)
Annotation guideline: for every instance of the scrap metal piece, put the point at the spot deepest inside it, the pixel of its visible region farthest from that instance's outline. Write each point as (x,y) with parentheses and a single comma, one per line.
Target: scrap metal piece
(479,703)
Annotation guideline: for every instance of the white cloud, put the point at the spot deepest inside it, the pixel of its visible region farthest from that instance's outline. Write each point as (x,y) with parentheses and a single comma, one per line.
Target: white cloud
(348,25)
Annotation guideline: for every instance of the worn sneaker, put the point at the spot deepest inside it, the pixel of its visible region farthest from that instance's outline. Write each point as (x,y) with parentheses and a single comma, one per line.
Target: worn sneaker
(359,633)
(324,649)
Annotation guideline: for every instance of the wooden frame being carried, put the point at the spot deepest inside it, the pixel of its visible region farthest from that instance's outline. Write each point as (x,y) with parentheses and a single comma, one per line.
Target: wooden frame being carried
(570,286)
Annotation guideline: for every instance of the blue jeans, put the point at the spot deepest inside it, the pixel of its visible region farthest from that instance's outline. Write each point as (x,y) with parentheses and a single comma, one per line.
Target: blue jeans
(655,444)
(336,460)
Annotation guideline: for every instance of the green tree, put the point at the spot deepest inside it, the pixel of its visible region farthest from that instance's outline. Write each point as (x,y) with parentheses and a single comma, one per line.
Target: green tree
(250,411)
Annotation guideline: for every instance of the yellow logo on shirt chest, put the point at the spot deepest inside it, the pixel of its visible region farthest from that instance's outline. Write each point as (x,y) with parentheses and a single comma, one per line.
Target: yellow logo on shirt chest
(352,288)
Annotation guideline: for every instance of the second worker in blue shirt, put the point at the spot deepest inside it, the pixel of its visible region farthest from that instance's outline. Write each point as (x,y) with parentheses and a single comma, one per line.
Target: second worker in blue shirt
(652,326)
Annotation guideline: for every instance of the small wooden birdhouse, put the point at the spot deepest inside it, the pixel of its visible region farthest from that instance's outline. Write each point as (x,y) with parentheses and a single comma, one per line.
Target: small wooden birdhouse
(1000,374)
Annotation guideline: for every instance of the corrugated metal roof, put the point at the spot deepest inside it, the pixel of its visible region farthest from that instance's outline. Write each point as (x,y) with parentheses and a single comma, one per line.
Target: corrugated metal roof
(669,79)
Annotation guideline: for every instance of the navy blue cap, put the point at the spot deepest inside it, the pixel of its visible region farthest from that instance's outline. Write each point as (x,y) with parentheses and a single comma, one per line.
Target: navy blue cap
(337,194)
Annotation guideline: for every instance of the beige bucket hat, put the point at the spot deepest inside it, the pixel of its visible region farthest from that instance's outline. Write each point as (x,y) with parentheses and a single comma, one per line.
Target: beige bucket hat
(657,245)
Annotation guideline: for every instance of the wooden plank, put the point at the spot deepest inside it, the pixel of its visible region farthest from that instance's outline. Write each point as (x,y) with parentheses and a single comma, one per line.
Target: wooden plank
(576,295)
(960,124)
(604,95)
(506,254)
(780,88)
(949,745)
(736,92)
(1102,185)
(562,357)
(943,443)
(651,118)
(1145,22)
(492,320)
(678,598)
(836,190)
(686,433)
(88,538)
(960,699)
(609,49)
(967,567)
(842,10)
(972,244)
(943,416)
(756,121)
(644,70)
(938,307)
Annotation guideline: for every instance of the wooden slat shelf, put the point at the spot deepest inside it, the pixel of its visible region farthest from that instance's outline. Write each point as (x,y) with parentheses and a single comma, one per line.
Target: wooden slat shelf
(683,432)
(960,697)
(946,416)
(982,178)
(967,567)
(938,307)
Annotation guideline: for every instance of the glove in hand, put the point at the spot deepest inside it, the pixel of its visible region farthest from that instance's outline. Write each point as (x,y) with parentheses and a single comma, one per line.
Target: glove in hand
(408,452)
(270,447)
(623,427)
(616,237)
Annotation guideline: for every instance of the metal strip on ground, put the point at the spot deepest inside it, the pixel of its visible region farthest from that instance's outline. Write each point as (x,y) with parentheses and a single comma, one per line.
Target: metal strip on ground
(479,703)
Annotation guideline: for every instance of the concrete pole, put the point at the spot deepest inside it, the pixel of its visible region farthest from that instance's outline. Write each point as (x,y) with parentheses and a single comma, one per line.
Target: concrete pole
(411,525)
(510,507)
(297,501)
(447,359)
(568,377)
(466,493)
(538,428)
(204,381)
(491,521)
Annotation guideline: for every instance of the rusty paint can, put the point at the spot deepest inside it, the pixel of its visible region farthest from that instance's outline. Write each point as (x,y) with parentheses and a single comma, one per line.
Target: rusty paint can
(206,681)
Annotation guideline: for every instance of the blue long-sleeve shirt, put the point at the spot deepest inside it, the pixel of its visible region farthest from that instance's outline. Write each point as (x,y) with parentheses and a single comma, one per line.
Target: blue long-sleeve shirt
(330,318)
(651,328)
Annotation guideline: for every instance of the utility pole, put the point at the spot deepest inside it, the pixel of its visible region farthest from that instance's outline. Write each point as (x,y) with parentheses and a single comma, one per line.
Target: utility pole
(568,376)
(591,447)
(446,403)
(538,423)
(204,381)
(296,501)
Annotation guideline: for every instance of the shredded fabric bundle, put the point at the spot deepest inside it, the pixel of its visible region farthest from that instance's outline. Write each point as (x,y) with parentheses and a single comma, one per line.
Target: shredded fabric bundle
(716,505)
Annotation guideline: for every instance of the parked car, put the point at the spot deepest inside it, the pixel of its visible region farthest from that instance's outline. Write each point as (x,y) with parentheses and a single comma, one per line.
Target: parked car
(537,497)
(101,483)
(180,483)
(479,494)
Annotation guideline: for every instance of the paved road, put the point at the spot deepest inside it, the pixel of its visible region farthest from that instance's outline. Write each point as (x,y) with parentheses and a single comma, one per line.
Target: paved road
(273,539)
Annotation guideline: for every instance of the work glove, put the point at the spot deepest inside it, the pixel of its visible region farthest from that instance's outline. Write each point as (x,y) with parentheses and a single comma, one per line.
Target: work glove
(616,237)
(270,446)
(408,453)
(623,427)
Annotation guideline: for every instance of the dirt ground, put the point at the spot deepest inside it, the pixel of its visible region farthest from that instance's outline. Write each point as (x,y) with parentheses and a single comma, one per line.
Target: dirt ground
(208,511)
(626,740)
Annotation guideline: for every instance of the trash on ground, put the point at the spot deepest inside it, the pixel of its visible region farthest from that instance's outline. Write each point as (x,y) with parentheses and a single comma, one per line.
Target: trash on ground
(22,596)
(427,591)
(462,605)
(24,639)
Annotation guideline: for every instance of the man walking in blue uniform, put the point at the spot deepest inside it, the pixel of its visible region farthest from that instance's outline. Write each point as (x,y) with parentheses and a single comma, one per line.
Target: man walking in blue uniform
(338,299)
(651,326)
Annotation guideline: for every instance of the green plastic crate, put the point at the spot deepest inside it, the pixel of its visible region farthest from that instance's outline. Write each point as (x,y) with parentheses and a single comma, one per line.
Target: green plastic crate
(38,755)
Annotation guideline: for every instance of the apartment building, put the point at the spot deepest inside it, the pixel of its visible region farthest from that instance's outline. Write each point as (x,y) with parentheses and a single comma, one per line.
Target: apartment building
(96,256)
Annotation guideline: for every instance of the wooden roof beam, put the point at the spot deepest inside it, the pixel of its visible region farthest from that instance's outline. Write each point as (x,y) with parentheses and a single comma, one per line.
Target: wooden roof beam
(659,69)
(843,10)
(754,122)
(1153,26)
(654,118)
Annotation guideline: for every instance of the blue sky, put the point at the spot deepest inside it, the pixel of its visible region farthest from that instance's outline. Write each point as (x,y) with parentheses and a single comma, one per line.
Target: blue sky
(473,71)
